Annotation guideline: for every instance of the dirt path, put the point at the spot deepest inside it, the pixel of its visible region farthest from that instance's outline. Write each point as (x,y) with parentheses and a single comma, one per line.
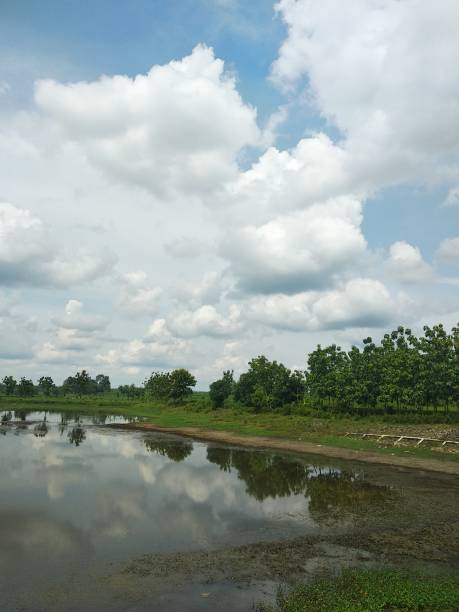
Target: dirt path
(226,437)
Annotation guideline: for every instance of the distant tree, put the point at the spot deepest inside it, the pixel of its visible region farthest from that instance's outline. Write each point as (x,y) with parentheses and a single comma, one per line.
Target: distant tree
(158,385)
(182,382)
(221,389)
(80,384)
(69,386)
(130,391)
(268,385)
(9,384)
(102,383)
(25,387)
(46,385)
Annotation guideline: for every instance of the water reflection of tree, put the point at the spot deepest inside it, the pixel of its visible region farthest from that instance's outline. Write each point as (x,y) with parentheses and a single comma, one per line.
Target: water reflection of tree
(99,419)
(21,415)
(41,429)
(77,435)
(175,451)
(265,475)
(333,494)
(6,417)
(336,495)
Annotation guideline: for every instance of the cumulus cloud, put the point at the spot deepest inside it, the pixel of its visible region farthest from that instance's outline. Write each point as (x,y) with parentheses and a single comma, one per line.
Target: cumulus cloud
(405,263)
(356,57)
(303,250)
(234,356)
(208,290)
(159,348)
(178,128)
(75,319)
(448,251)
(138,298)
(361,302)
(452,199)
(29,257)
(206,321)
(314,170)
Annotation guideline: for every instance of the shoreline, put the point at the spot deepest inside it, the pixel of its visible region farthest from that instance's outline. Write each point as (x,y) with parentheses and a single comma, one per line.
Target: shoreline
(286,445)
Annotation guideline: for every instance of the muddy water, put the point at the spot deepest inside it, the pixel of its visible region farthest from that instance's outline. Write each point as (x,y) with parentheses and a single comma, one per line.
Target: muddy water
(104,519)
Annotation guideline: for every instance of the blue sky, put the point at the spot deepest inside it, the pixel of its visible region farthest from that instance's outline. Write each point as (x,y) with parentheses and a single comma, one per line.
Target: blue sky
(278,175)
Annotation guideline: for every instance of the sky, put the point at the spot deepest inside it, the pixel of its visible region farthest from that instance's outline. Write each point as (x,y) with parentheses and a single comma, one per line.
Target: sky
(194,183)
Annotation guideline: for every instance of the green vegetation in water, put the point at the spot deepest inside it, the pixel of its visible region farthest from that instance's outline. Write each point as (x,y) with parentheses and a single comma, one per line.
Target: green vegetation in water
(372,591)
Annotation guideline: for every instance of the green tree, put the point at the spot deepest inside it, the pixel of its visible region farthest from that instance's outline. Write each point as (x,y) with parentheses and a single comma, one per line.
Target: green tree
(25,387)
(80,384)
(158,385)
(268,385)
(46,385)
(221,389)
(102,383)
(9,383)
(131,391)
(182,383)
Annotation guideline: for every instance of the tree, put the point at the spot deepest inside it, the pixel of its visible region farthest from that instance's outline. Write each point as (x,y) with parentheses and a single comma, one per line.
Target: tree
(46,385)
(80,384)
(158,386)
(25,387)
(170,386)
(102,383)
(182,382)
(10,385)
(221,389)
(130,391)
(268,385)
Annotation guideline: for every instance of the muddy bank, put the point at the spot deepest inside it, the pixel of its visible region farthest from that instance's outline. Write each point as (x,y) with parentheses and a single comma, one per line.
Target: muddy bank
(225,437)
(233,578)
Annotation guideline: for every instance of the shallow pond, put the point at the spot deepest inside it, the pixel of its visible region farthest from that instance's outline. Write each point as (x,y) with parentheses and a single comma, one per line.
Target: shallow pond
(78,498)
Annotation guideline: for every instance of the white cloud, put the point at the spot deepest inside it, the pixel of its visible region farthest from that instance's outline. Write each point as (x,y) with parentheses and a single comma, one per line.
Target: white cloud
(177,129)
(452,199)
(208,290)
(448,251)
(138,299)
(405,263)
(361,302)
(303,250)
(233,357)
(75,319)
(29,257)
(313,171)
(385,73)
(205,321)
(158,349)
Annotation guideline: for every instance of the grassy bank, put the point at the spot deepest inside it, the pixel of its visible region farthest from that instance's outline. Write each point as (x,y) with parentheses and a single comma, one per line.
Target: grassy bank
(197,413)
(362,591)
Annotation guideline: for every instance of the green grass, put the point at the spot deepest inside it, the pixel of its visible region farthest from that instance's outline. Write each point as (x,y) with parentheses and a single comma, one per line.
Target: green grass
(372,591)
(197,413)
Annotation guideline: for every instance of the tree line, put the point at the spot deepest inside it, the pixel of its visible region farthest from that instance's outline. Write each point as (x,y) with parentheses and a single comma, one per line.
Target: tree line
(401,372)
(80,384)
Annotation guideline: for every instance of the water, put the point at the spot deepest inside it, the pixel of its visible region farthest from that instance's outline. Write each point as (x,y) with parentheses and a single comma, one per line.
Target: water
(77,496)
